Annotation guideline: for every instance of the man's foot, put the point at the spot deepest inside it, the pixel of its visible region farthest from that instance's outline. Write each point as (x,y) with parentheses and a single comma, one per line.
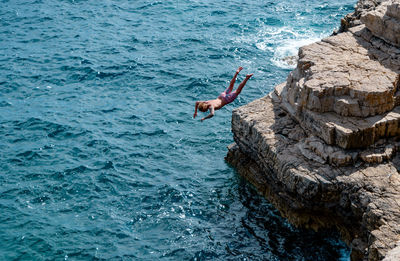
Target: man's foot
(249,75)
(239,69)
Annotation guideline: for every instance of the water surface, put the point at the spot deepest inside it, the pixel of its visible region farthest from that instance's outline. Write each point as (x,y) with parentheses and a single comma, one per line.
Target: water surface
(99,155)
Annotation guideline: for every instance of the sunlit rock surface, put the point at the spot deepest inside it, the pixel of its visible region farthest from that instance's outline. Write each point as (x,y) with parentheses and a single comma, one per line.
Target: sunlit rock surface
(323,146)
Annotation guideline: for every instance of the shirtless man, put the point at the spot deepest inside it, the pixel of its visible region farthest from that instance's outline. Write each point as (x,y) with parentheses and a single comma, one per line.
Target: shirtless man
(223,99)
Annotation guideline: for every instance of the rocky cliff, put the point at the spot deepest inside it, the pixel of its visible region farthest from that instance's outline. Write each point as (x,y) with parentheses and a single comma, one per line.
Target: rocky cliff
(323,145)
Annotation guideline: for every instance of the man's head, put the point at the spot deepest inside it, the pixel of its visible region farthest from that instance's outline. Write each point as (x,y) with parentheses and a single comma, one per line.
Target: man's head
(203,106)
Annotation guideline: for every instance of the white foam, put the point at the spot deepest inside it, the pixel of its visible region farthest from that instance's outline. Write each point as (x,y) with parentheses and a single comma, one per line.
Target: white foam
(286,42)
(290,47)
(281,42)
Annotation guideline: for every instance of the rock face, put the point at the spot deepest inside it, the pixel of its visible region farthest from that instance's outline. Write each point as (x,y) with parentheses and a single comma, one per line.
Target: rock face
(323,145)
(384,22)
(353,19)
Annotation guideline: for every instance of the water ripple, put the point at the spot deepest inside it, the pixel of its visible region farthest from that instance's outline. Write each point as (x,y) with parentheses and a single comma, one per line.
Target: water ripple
(100,156)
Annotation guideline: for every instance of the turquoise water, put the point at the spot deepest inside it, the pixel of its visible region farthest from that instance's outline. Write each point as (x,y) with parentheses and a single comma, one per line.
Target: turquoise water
(100,158)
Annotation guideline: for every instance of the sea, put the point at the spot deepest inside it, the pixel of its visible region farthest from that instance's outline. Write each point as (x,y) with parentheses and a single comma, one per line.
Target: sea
(100,157)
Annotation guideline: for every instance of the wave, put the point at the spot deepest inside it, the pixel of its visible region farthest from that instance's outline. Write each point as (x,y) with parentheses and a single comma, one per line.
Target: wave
(81,73)
(53,130)
(285,42)
(281,42)
(285,55)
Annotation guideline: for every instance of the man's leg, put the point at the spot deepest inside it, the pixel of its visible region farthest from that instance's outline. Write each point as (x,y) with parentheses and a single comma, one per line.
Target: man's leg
(242,84)
(232,83)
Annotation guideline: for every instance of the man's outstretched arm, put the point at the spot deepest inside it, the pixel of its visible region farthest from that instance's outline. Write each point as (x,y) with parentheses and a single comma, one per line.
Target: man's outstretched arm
(209,115)
(195,109)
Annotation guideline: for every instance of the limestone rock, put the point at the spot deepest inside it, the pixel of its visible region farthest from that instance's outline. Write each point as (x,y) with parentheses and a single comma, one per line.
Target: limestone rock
(384,154)
(353,19)
(300,173)
(323,146)
(394,254)
(338,75)
(290,60)
(384,21)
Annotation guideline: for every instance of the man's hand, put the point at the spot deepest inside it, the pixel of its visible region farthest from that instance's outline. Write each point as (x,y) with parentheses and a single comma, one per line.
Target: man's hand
(194,115)
(209,115)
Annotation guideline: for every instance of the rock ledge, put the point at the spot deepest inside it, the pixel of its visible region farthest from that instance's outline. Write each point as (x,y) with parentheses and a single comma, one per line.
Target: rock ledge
(323,145)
